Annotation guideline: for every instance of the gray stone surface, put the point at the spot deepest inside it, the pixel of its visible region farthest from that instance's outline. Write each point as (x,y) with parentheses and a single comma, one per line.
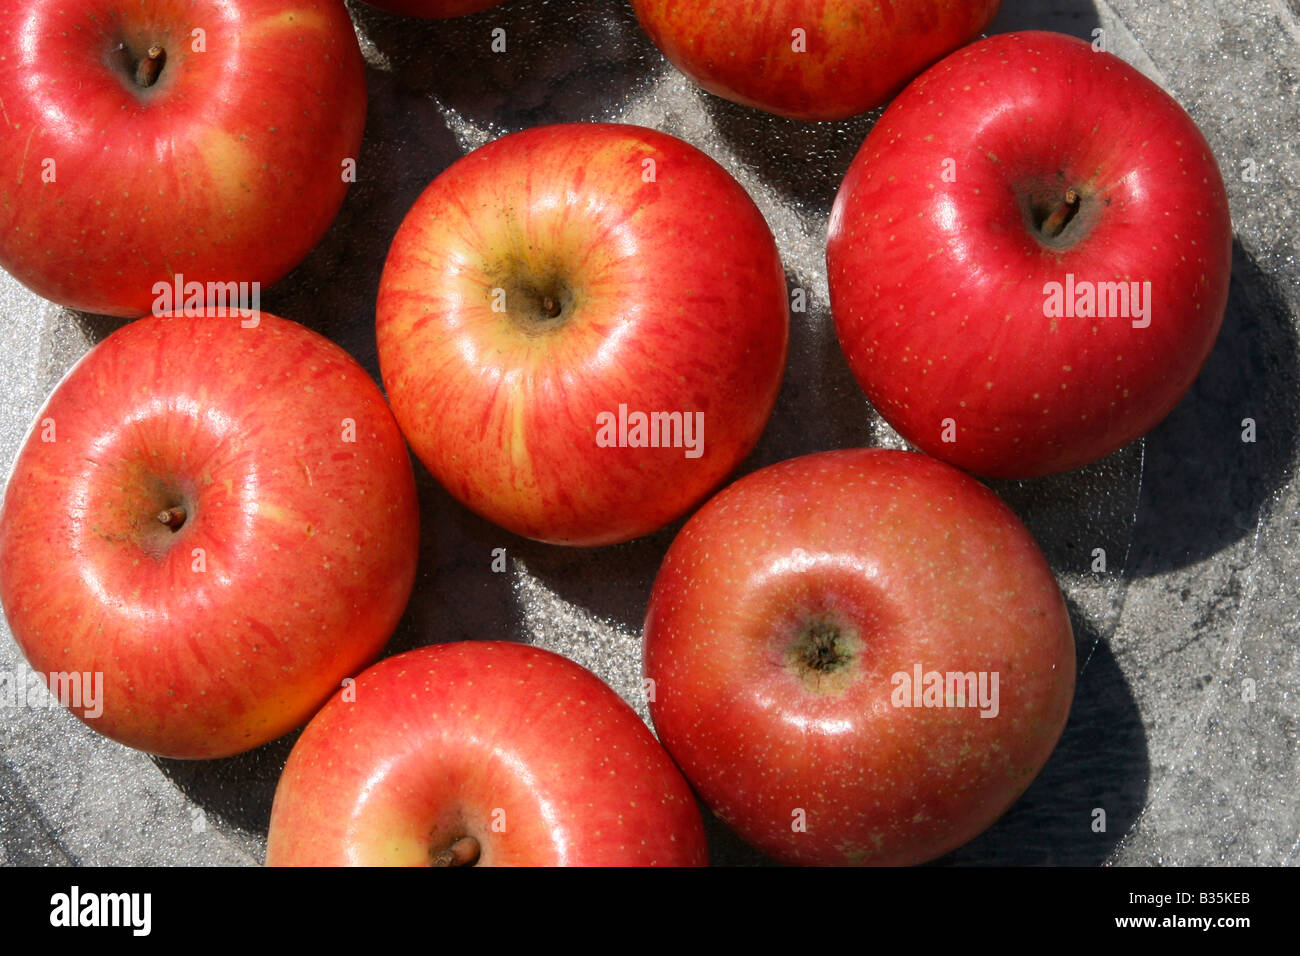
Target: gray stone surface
(1196,610)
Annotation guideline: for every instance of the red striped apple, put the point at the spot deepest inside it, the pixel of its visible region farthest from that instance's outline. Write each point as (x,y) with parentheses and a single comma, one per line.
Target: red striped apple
(145,138)
(218,516)
(1028,259)
(481,753)
(858,657)
(582,329)
(809,59)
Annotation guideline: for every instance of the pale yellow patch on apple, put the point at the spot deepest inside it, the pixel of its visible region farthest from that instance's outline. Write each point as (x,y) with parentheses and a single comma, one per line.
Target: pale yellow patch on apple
(274,512)
(520,461)
(299,20)
(231,166)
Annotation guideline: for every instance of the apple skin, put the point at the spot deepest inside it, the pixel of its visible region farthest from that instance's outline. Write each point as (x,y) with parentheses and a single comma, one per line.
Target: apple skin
(908,561)
(433,9)
(856,56)
(227,169)
(309,541)
(437,739)
(937,287)
(671,297)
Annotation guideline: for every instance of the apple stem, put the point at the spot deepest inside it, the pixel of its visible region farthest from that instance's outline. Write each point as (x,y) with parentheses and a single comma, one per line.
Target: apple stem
(1061,215)
(550,306)
(464,852)
(147,70)
(172,517)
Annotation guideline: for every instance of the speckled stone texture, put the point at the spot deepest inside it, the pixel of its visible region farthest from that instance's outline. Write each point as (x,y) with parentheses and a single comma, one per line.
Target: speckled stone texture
(1185,724)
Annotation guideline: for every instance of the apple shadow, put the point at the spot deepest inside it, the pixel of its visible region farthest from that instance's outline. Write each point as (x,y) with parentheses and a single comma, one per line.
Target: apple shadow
(820,405)
(1192,487)
(238,791)
(564,60)
(1076,17)
(95,327)
(1072,515)
(803,161)
(459,597)
(1203,485)
(333,290)
(27,836)
(1099,764)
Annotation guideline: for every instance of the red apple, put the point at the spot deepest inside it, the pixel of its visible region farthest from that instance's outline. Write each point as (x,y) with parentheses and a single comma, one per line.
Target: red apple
(582,329)
(223,158)
(1028,259)
(809,59)
(481,752)
(786,633)
(433,9)
(219,516)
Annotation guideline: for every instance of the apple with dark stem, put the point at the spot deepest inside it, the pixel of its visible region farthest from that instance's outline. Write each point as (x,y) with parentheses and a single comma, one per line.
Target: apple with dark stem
(809,59)
(145,138)
(218,516)
(582,329)
(1028,259)
(482,753)
(858,657)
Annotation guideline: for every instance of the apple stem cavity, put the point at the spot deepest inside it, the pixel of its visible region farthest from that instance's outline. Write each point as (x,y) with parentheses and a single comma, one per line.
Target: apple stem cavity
(822,653)
(147,70)
(463,852)
(173,517)
(1061,215)
(821,649)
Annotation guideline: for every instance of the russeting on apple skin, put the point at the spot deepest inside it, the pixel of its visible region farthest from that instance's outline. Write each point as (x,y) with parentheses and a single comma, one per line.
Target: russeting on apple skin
(222,157)
(1029,257)
(482,753)
(858,657)
(809,59)
(555,290)
(218,519)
